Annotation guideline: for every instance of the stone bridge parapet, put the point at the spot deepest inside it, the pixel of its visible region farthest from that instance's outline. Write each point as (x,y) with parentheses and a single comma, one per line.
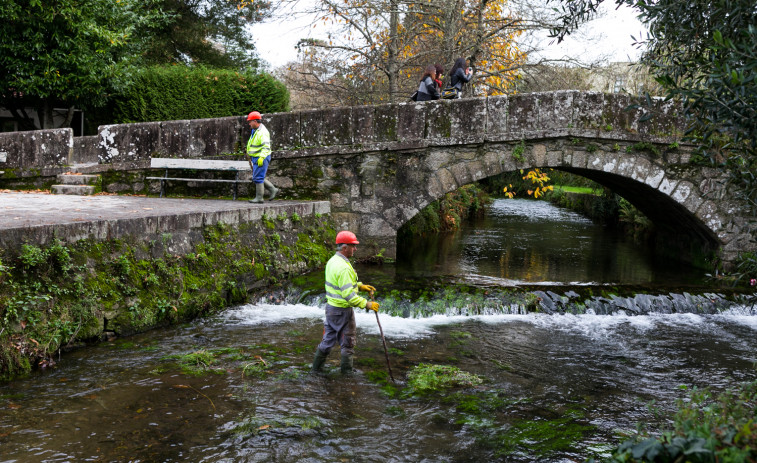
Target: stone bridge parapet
(380,165)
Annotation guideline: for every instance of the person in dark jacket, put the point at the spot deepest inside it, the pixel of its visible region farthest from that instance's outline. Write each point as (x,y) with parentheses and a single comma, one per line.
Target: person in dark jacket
(459,74)
(439,76)
(427,89)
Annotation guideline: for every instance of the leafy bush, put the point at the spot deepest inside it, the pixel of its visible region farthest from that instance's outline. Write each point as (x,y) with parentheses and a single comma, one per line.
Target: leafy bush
(705,429)
(165,93)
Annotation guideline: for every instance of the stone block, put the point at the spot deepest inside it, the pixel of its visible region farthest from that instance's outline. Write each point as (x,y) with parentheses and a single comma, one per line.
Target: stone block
(285,131)
(562,110)
(491,163)
(665,125)
(709,215)
(310,128)
(461,174)
(611,161)
(522,114)
(476,170)
(667,186)
(626,164)
(336,126)
(411,121)
(496,116)
(222,135)
(203,137)
(129,143)
(363,124)
(538,155)
(655,176)
(37,148)
(175,140)
(385,123)
(438,122)
(641,169)
(578,158)
(615,117)
(467,118)
(85,150)
(587,111)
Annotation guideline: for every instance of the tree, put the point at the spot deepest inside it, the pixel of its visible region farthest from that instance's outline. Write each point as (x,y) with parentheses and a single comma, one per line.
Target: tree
(69,52)
(703,53)
(378,47)
(207,32)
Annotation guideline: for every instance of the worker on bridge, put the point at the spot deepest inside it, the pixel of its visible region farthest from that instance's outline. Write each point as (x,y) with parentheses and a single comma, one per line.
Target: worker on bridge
(342,288)
(259,150)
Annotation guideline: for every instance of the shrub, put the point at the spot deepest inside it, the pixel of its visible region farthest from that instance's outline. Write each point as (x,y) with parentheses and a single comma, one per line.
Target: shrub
(705,429)
(165,93)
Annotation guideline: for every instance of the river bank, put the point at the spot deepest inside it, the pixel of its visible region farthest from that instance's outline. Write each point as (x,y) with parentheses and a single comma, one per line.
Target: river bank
(114,266)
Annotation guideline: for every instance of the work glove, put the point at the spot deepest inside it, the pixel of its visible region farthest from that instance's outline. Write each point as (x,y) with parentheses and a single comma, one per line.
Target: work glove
(372,306)
(260,162)
(366,288)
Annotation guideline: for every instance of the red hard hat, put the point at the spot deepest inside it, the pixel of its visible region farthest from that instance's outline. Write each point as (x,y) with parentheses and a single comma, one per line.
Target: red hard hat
(346,237)
(254,116)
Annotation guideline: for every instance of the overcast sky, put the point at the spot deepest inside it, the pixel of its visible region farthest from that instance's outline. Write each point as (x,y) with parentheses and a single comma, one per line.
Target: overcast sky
(275,41)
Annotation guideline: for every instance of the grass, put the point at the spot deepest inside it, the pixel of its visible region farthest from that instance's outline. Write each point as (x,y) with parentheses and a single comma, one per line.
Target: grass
(577,189)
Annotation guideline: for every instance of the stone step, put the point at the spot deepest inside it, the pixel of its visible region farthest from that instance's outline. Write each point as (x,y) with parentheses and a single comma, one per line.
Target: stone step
(77,179)
(82,190)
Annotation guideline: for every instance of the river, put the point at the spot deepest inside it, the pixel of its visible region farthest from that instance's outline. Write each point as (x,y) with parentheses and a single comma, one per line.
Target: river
(556,387)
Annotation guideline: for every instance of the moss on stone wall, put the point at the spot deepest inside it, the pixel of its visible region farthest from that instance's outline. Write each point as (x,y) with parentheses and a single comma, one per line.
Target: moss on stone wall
(447,213)
(61,296)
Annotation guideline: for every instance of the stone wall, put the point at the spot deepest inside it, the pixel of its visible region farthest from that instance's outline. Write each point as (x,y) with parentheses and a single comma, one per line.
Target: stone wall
(76,283)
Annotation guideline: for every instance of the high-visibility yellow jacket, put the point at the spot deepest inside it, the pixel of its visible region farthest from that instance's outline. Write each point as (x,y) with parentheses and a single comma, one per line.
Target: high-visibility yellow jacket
(259,145)
(341,284)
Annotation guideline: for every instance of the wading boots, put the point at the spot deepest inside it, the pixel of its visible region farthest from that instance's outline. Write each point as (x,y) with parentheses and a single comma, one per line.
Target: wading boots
(272,190)
(318,360)
(346,367)
(259,191)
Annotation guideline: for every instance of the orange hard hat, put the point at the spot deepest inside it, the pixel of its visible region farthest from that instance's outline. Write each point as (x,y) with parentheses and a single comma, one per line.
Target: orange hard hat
(254,116)
(346,237)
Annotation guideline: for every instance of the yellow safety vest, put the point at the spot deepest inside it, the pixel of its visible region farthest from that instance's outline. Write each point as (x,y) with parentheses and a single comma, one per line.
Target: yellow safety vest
(259,144)
(341,284)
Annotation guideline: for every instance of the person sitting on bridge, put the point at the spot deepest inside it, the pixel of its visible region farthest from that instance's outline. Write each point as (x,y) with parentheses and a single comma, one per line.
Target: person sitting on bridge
(259,150)
(342,288)
(427,89)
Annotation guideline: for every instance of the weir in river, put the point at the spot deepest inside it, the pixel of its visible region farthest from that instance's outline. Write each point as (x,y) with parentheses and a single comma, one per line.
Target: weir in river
(555,387)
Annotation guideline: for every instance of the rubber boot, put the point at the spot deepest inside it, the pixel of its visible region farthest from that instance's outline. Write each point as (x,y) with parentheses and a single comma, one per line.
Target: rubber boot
(259,190)
(271,189)
(346,365)
(318,361)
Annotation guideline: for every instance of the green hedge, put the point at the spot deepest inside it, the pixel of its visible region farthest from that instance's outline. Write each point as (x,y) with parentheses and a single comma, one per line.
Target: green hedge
(166,93)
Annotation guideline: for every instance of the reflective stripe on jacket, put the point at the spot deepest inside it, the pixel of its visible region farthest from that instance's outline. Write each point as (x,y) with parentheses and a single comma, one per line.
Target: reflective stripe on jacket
(259,145)
(341,284)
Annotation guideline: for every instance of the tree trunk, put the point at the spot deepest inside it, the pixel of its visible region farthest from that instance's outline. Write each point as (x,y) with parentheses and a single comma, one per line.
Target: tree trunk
(392,65)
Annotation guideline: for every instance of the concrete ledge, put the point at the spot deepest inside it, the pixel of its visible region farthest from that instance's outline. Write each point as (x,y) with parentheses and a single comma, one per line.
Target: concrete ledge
(39,219)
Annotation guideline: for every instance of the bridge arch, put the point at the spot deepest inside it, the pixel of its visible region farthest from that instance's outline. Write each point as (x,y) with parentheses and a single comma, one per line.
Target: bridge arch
(675,205)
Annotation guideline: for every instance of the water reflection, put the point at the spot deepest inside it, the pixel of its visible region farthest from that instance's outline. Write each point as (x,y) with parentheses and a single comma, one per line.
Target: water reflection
(522,241)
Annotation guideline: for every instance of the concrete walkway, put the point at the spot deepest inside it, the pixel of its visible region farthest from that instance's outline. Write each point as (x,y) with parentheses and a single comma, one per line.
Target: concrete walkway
(36,218)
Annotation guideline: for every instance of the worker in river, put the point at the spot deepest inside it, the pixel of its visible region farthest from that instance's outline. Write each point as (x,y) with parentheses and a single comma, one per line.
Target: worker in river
(342,288)
(259,150)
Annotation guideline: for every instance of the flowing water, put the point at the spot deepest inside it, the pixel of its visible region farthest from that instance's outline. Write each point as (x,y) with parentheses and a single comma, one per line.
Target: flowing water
(557,387)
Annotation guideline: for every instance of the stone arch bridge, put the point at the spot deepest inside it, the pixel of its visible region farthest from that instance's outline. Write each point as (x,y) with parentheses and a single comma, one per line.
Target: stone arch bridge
(380,165)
